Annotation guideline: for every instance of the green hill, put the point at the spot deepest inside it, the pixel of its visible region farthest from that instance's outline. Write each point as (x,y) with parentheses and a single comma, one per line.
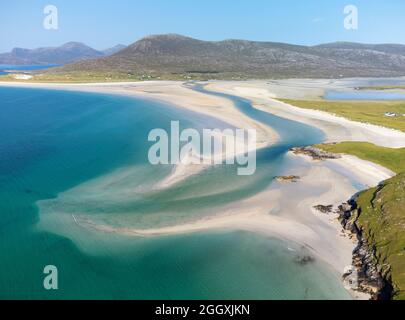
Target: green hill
(172,56)
(382,210)
(382,219)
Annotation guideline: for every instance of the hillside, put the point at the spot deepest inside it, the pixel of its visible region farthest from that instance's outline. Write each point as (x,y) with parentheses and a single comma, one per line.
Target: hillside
(175,56)
(114,50)
(382,220)
(380,211)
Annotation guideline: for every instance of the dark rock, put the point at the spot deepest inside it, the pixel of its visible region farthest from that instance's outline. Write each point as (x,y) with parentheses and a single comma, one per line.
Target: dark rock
(324,209)
(365,275)
(304,260)
(288,179)
(315,154)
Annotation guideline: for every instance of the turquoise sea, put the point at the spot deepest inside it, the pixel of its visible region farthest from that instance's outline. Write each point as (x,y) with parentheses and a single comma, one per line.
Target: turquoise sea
(68,154)
(6,68)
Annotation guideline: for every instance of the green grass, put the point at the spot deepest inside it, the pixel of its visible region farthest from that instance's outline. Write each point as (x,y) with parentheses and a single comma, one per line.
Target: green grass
(393,87)
(382,219)
(76,78)
(361,111)
(382,210)
(393,159)
(106,76)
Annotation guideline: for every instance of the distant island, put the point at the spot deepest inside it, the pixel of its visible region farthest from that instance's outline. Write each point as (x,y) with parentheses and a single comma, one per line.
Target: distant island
(68,53)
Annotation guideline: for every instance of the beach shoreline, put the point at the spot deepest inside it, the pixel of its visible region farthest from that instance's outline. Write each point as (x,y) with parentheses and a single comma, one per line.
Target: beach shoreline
(263,96)
(176,95)
(296,219)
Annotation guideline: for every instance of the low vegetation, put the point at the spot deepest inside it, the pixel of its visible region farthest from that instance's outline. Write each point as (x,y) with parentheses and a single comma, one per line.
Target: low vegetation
(382,219)
(393,159)
(78,77)
(372,112)
(106,76)
(176,56)
(382,210)
(391,87)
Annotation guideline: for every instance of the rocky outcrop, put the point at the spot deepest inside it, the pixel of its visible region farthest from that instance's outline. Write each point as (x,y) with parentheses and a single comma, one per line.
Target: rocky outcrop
(315,154)
(287,179)
(324,209)
(366,274)
(304,260)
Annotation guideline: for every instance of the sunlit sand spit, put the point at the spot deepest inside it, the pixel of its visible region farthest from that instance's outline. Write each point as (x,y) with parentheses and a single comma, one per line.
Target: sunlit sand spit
(279,210)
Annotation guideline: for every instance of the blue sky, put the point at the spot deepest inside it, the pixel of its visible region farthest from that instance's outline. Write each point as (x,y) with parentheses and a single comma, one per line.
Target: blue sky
(104,23)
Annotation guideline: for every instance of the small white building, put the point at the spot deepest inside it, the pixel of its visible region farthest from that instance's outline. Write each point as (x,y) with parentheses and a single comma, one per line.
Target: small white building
(22,76)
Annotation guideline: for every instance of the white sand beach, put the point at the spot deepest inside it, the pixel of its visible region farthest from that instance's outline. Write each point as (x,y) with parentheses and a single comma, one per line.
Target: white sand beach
(177,95)
(280,210)
(262,94)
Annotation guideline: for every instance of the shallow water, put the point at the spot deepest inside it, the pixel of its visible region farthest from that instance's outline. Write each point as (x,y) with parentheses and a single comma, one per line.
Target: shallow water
(364,95)
(65,153)
(7,67)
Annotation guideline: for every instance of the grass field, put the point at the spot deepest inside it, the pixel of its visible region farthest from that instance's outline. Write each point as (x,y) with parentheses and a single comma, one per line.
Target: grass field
(393,87)
(75,78)
(382,215)
(362,111)
(93,77)
(382,219)
(393,159)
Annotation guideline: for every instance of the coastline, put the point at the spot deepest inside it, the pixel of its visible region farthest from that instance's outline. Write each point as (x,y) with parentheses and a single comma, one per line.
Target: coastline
(294,220)
(280,211)
(175,94)
(337,129)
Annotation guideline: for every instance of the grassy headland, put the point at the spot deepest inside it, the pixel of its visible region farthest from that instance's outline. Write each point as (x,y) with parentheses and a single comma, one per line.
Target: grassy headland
(393,159)
(372,112)
(382,210)
(382,220)
(390,87)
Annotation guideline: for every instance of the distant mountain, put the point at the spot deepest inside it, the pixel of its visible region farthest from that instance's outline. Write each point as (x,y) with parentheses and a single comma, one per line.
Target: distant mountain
(176,56)
(386,48)
(113,50)
(67,53)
